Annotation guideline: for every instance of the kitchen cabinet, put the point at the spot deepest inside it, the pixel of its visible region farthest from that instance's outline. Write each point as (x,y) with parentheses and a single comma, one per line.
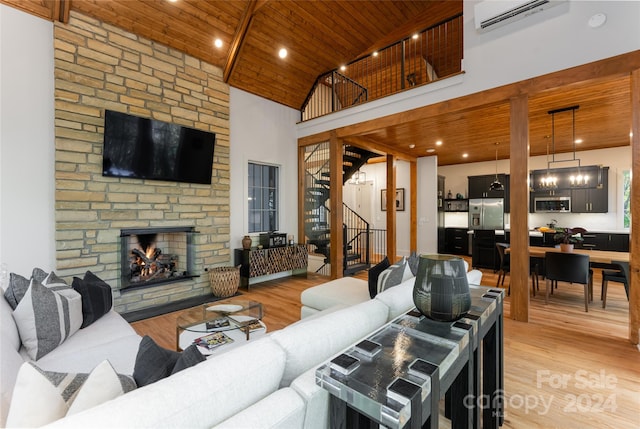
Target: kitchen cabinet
(485,253)
(479,186)
(583,200)
(457,241)
(592,200)
(615,242)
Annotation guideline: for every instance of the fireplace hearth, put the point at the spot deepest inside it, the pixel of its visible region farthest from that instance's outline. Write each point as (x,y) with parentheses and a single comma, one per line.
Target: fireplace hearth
(152,256)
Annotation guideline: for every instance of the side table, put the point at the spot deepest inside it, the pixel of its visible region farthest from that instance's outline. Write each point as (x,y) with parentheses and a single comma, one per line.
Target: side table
(433,360)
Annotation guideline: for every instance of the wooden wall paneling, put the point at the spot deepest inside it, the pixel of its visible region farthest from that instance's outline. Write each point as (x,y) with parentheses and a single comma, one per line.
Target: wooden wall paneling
(519,194)
(391,209)
(634,285)
(413,206)
(337,252)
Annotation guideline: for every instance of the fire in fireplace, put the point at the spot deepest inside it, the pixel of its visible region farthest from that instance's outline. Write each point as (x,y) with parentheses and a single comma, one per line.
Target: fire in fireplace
(156,255)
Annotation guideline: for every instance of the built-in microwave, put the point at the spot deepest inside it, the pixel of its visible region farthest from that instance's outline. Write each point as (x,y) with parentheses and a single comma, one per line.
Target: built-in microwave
(552,204)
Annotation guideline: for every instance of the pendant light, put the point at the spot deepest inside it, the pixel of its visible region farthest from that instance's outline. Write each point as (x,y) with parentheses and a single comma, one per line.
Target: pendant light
(496,185)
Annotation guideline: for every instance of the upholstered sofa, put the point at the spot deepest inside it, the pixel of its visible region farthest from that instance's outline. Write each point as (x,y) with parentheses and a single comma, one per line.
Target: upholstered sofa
(109,337)
(266,383)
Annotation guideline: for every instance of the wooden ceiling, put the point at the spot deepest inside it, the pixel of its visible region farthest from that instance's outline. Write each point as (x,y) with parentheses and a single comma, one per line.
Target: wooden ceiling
(321,35)
(602,120)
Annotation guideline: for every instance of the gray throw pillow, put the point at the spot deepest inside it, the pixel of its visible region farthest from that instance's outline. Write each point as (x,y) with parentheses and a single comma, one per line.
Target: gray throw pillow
(18,286)
(394,275)
(154,363)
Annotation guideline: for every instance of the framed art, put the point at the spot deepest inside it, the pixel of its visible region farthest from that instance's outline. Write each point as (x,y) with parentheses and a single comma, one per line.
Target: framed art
(399,200)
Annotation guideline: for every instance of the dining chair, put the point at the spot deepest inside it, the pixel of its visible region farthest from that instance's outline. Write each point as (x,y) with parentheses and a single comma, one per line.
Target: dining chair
(620,276)
(570,268)
(505,268)
(504,263)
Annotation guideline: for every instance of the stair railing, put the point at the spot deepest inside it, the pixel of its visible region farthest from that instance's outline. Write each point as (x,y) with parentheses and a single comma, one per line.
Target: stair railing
(356,241)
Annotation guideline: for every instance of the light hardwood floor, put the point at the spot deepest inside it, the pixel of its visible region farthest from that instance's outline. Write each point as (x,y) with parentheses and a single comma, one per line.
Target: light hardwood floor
(564,369)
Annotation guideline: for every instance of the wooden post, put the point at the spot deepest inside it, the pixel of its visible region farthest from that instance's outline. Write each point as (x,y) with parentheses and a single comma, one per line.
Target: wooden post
(302,189)
(634,266)
(519,194)
(336,255)
(391,208)
(413,205)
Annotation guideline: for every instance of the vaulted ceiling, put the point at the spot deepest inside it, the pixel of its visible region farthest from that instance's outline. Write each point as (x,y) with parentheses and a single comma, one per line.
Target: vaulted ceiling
(322,35)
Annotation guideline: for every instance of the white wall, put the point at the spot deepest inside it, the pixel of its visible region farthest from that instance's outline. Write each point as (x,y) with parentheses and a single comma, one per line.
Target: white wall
(27,229)
(617,159)
(262,131)
(552,40)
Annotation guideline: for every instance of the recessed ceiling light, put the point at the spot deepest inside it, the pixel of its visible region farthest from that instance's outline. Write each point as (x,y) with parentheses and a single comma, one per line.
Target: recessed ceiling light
(375,53)
(431,150)
(411,146)
(465,155)
(282,53)
(217,43)
(578,141)
(415,36)
(343,68)
(439,143)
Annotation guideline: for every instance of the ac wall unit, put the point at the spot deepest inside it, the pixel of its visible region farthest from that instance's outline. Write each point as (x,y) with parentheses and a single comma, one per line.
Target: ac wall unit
(490,14)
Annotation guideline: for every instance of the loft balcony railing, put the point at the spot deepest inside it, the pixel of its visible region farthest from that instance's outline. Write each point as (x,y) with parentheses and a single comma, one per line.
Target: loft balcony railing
(432,54)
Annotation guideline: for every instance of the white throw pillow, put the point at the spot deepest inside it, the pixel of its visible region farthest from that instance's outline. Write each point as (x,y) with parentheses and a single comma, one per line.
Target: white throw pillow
(41,397)
(46,317)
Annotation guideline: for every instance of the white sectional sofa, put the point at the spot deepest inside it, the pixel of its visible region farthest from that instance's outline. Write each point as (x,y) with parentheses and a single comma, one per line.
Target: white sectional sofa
(267,383)
(110,337)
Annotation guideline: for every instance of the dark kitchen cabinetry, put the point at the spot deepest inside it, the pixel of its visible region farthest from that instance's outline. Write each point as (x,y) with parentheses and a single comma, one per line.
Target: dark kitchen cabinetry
(604,241)
(479,186)
(457,241)
(484,253)
(592,200)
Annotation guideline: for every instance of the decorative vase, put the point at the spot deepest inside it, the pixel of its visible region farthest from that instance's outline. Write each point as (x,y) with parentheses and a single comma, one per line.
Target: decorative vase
(566,247)
(441,291)
(246,242)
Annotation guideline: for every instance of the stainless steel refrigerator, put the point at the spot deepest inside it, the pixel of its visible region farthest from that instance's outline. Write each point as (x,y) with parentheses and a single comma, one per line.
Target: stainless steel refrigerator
(486,213)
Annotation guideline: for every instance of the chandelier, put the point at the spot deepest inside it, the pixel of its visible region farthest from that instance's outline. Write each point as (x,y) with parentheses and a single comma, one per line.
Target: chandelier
(550,181)
(358,178)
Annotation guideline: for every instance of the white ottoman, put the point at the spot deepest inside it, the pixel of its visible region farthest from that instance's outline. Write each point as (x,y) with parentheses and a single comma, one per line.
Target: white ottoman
(345,291)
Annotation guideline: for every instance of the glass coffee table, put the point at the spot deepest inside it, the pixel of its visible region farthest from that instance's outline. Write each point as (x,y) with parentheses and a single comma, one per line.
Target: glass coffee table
(220,325)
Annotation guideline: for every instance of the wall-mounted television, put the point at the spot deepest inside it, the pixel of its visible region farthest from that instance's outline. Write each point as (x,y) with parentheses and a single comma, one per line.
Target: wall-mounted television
(150,149)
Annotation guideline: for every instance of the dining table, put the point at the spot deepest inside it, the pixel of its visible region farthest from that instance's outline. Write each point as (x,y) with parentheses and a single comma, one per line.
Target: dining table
(600,258)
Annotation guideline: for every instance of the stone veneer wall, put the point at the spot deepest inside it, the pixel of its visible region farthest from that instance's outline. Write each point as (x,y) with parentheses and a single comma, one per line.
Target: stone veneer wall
(97,67)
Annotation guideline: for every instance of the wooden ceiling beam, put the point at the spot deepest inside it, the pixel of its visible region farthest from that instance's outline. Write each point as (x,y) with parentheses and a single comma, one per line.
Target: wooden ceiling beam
(238,38)
(379,148)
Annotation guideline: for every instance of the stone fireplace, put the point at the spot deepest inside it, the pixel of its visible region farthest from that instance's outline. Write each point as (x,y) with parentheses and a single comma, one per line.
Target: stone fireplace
(153,256)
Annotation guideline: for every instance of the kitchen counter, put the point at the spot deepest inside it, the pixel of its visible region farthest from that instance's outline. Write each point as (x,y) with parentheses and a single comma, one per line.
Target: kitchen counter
(536,233)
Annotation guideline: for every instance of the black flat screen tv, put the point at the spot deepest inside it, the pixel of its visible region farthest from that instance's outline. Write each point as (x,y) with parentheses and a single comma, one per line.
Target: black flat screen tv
(145,148)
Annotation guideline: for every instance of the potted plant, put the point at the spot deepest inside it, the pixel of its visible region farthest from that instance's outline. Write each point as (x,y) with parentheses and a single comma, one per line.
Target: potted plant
(565,237)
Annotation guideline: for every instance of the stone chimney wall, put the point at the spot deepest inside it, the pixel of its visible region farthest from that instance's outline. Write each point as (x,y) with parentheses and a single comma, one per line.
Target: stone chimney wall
(97,67)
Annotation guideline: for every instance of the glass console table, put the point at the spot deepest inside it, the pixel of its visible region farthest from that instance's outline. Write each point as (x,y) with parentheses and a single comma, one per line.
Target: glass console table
(398,377)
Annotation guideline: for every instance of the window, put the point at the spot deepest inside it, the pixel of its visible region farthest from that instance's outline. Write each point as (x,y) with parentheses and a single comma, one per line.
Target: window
(263,197)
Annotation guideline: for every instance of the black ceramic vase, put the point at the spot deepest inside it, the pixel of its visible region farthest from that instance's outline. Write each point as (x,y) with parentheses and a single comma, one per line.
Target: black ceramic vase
(441,290)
